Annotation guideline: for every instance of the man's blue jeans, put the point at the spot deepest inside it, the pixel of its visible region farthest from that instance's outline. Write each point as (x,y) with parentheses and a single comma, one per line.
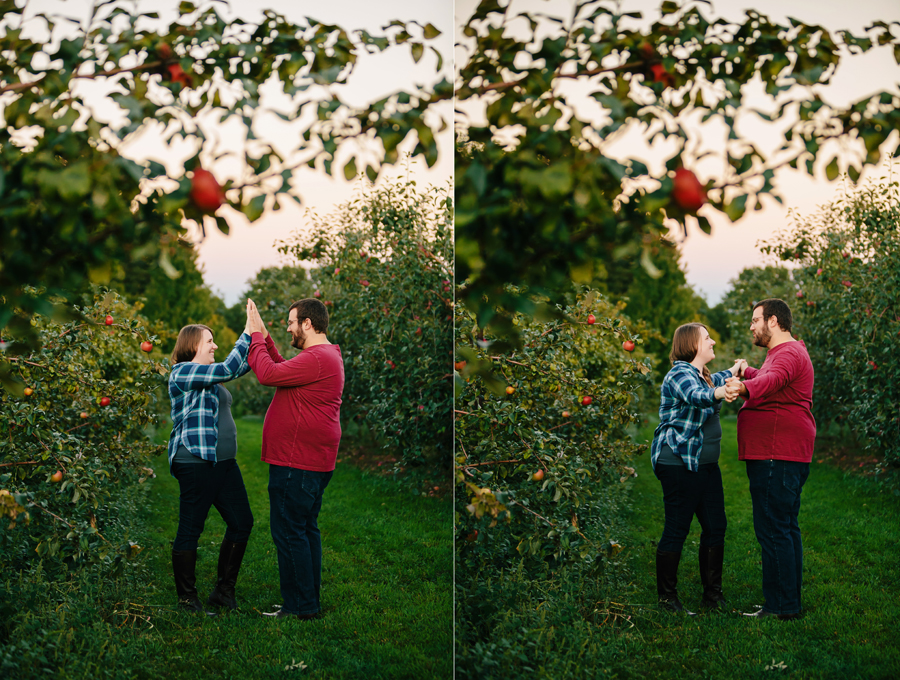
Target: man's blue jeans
(775,487)
(295,498)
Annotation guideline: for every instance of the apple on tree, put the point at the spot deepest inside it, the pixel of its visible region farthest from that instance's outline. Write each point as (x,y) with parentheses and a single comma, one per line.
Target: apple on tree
(147,346)
(56,476)
(538,476)
(687,191)
(591,319)
(586,401)
(510,389)
(206,193)
(28,391)
(109,320)
(104,401)
(628,346)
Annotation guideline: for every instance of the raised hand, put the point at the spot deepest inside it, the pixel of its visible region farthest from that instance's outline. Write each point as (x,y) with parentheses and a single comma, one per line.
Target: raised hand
(255,324)
(737,370)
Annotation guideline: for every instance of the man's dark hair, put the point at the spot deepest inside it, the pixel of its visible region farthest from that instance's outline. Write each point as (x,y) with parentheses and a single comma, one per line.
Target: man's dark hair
(779,309)
(315,311)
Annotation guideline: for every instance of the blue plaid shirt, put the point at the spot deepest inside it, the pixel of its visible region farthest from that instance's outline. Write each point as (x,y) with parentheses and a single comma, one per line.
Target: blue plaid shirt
(687,401)
(195,400)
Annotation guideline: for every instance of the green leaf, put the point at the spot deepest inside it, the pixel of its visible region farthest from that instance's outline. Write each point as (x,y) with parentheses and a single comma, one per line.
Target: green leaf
(736,208)
(832,171)
(254,208)
(350,169)
(430,32)
(418,49)
(704,224)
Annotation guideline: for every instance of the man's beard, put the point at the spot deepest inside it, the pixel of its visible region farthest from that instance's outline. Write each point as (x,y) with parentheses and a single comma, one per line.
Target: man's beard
(297,339)
(762,340)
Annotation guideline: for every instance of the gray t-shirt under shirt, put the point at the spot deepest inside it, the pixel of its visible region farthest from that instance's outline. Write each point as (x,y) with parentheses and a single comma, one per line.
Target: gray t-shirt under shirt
(226,444)
(712,442)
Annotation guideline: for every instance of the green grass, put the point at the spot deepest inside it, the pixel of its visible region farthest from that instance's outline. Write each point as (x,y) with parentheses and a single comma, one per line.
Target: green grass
(851,609)
(386,591)
(562,628)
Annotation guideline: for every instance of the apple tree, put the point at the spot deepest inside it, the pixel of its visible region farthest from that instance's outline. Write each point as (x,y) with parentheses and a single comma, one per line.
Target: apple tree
(383,268)
(80,202)
(847,310)
(75,439)
(547,191)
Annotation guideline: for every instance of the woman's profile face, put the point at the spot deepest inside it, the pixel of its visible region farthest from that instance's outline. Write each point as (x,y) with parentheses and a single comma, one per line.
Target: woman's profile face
(705,352)
(206,350)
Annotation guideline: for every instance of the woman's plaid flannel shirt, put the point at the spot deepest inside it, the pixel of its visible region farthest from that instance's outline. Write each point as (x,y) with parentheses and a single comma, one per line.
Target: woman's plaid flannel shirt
(687,401)
(195,400)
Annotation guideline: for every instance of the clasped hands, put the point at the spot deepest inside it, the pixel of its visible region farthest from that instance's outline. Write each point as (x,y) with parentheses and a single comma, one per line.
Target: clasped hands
(733,385)
(255,324)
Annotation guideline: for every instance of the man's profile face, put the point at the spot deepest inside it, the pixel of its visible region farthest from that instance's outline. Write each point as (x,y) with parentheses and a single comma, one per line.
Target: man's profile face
(759,328)
(298,336)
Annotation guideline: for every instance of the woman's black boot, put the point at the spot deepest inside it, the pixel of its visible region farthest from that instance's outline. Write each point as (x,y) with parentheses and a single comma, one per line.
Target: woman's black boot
(230,557)
(667,581)
(711,560)
(184,563)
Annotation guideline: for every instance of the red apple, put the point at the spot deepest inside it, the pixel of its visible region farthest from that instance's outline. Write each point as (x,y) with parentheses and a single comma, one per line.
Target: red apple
(109,320)
(472,537)
(819,271)
(538,476)
(84,415)
(591,319)
(810,303)
(661,75)
(56,476)
(28,391)
(104,401)
(846,255)
(419,331)
(177,75)
(687,191)
(363,282)
(873,364)
(846,283)
(147,346)
(391,364)
(164,51)
(566,414)
(628,346)
(799,294)
(317,294)
(421,408)
(586,401)
(205,191)
(337,270)
(510,389)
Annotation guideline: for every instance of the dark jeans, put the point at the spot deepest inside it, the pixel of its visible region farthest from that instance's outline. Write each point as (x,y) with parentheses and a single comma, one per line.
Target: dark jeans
(204,485)
(295,498)
(686,494)
(775,487)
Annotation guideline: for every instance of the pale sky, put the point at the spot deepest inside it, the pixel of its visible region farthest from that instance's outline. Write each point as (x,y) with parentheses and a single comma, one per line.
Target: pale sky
(711,261)
(230,261)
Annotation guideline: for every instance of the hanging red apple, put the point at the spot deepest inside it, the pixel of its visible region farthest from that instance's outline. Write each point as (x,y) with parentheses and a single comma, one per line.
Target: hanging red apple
(687,191)
(206,192)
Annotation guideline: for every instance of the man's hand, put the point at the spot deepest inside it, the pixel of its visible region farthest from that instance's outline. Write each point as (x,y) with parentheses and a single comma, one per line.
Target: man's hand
(734,388)
(737,371)
(255,324)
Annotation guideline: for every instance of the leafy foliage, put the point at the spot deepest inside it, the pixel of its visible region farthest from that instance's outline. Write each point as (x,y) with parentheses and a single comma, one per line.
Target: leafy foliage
(77,206)
(849,313)
(542,423)
(545,197)
(62,424)
(383,269)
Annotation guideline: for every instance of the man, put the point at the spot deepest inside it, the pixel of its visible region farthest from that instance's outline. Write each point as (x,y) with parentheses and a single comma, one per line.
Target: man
(776,433)
(301,435)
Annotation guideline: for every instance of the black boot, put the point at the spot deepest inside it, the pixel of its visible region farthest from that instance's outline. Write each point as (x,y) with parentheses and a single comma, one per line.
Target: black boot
(711,576)
(230,556)
(667,581)
(184,563)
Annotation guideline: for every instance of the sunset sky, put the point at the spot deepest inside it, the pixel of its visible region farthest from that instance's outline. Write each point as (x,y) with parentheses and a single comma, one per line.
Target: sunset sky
(711,261)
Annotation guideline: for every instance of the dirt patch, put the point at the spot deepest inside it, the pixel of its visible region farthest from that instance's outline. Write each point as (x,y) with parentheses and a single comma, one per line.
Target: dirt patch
(382,464)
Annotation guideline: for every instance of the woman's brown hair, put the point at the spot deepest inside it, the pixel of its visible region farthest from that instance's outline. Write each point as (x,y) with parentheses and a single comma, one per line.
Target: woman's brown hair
(686,343)
(188,341)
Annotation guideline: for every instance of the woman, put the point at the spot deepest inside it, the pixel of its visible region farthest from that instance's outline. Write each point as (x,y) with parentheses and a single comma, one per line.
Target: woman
(202,449)
(685,455)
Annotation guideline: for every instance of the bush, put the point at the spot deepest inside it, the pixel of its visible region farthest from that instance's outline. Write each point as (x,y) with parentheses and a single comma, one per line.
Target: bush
(847,311)
(62,425)
(383,266)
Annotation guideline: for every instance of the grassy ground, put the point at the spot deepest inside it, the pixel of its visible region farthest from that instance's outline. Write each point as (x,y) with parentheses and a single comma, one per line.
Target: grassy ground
(562,628)
(386,591)
(850,599)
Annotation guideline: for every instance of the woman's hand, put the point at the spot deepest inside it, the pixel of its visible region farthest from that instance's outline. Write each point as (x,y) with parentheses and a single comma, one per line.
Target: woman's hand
(255,324)
(737,371)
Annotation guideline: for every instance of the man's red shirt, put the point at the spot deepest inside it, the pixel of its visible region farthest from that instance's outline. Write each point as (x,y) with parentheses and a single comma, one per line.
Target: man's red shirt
(303,424)
(776,421)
